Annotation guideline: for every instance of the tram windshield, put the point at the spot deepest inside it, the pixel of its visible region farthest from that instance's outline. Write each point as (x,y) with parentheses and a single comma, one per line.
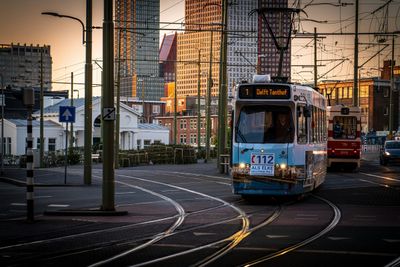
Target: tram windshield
(264,124)
(344,127)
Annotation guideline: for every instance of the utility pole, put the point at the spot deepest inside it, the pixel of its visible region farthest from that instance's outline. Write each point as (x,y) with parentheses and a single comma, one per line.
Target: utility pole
(391,91)
(223,94)
(41,133)
(198,102)
(315,59)
(108,109)
(355,85)
(175,104)
(117,123)
(88,97)
(209,86)
(71,138)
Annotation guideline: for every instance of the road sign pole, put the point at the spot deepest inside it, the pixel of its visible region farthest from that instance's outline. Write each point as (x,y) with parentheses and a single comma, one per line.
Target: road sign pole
(66,153)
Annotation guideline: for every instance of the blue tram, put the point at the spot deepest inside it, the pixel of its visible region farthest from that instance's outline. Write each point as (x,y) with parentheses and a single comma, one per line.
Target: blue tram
(279,138)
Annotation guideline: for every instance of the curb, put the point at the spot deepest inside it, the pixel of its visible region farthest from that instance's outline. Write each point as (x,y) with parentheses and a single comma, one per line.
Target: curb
(94,212)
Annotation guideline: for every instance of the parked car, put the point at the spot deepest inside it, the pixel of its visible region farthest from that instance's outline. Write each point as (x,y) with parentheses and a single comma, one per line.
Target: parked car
(390,152)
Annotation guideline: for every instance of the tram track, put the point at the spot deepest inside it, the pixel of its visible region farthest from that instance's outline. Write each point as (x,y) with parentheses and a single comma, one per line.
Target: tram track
(155,238)
(335,220)
(220,247)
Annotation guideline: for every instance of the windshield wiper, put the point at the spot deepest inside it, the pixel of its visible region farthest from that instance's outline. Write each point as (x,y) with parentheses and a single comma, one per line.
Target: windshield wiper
(239,133)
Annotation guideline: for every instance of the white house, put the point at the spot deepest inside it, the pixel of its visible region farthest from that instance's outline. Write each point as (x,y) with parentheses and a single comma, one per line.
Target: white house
(133,135)
(15,136)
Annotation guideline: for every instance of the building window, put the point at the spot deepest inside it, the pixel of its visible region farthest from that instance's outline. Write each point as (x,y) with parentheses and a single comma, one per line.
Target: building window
(193,139)
(157,142)
(147,143)
(386,111)
(386,91)
(8,150)
(138,143)
(182,138)
(52,144)
(183,124)
(364,91)
(156,109)
(193,124)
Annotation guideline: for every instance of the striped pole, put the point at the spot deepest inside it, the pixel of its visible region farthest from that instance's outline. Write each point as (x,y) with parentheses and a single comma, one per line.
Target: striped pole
(29,168)
(29,101)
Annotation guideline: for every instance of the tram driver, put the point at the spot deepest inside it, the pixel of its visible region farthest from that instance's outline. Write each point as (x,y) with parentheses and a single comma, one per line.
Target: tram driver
(283,129)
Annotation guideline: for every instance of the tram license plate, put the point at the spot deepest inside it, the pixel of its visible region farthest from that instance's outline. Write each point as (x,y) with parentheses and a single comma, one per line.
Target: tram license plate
(262,164)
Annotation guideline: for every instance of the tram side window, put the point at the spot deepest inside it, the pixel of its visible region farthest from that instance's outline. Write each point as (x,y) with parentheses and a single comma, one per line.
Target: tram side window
(313,125)
(344,127)
(301,126)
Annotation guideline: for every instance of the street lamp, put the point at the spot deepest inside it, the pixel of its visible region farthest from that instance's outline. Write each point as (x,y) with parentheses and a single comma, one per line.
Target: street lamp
(55,14)
(88,87)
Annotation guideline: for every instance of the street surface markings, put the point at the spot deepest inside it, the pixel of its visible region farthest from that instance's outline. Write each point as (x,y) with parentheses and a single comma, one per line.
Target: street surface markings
(381,177)
(345,252)
(306,217)
(276,236)
(370,182)
(392,240)
(169,190)
(18,204)
(203,234)
(58,205)
(338,238)
(364,217)
(125,193)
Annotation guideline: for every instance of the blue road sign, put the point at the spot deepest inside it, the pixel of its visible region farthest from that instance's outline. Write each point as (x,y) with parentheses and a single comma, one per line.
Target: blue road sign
(66,114)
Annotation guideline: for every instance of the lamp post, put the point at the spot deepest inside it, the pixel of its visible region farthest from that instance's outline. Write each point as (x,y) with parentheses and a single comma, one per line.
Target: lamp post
(88,87)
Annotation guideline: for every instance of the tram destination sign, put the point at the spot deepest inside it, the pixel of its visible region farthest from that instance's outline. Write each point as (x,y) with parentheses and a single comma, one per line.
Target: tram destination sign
(264,91)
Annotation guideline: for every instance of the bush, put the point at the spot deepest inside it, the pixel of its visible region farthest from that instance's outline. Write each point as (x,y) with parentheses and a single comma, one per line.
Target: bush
(74,157)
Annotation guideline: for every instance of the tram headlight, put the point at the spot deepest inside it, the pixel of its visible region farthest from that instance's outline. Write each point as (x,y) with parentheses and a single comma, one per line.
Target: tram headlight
(387,153)
(242,165)
(283,166)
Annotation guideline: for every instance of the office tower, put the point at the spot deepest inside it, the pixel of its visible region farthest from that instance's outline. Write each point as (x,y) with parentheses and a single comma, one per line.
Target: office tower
(202,22)
(268,54)
(242,42)
(137,48)
(20,66)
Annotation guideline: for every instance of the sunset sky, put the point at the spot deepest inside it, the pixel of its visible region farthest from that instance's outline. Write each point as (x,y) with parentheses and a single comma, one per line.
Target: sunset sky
(21,22)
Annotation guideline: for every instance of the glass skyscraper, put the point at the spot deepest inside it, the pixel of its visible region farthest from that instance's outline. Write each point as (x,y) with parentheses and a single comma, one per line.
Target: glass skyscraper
(137,48)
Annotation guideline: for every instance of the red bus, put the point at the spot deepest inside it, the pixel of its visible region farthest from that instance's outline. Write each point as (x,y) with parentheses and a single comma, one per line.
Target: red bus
(344,132)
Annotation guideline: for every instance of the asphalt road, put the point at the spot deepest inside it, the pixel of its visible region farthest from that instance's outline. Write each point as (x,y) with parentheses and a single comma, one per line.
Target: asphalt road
(186,215)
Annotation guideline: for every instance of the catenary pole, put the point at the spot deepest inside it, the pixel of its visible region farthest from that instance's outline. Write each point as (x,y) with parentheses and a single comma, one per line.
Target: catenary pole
(41,130)
(88,97)
(355,85)
(108,110)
